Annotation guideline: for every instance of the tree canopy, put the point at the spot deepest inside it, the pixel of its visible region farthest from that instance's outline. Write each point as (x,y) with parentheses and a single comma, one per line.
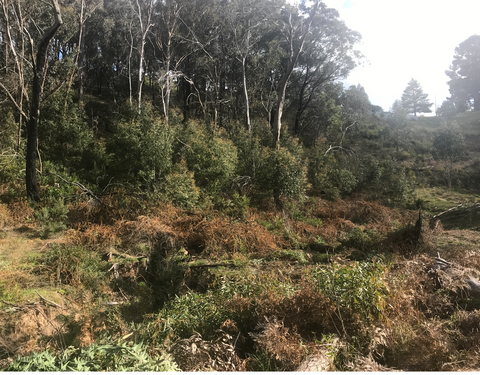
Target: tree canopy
(464,74)
(414,100)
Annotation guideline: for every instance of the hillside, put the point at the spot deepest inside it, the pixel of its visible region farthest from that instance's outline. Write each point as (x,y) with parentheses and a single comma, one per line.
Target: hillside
(350,285)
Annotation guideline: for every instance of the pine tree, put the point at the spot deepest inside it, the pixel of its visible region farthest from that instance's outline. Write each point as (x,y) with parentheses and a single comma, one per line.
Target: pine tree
(414,100)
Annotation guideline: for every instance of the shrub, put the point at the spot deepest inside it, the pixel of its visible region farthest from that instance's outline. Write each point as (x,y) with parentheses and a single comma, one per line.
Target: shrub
(360,239)
(74,265)
(52,219)
(66,139)
(358,290)
(142,149)
(119,356)
(328,176)
(179,186)
(280,174)
(211,157)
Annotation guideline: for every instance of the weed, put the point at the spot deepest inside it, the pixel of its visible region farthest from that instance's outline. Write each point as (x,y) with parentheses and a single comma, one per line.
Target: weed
(358,290)
(52,219)
(360,239)
(315,222)
(74,265)
(118,356)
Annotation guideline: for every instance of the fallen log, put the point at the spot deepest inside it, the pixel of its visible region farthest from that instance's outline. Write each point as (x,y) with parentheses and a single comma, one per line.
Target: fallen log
(463,216)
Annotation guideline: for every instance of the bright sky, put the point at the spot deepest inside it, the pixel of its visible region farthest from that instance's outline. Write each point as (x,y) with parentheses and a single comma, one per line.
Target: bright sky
(404,39)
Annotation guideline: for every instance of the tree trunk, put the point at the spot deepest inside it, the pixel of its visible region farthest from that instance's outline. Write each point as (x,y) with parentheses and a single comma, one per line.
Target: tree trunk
(292,61)
(37,90)
(245,94)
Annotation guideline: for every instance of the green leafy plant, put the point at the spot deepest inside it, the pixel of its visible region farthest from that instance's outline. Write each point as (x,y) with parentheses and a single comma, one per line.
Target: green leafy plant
(359,289)
(360,239)
(52,219)
(179,186)
(74,265)
(118,356)
(280,174)
(209,155)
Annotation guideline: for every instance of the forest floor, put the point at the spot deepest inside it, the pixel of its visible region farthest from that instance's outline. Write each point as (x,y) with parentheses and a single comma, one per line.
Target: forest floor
(346,285)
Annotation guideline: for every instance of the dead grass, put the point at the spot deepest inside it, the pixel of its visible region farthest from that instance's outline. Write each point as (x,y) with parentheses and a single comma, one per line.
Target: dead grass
(28,330)
(283,343)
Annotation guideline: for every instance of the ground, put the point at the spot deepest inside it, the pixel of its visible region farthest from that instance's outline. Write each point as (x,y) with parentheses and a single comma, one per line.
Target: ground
(272,270)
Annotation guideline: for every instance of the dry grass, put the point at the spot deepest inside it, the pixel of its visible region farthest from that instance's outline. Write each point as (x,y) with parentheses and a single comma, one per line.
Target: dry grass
(280,342)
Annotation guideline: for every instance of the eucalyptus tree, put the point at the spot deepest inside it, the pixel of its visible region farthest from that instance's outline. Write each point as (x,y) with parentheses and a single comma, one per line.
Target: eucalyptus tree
(246,21)
(294,27)
(13,40)
(142,10)
(329,55)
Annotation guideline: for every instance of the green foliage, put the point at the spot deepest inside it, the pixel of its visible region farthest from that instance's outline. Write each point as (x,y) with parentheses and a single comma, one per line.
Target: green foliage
(205,313)
(210,156)
(414,100)
(449,146)
(8,132)
(52,219)
(387,181)
(66,139)
(464,74)
(280,174)
(74,265)
(142,149)
(11,162)
(447,109)
(118,356)
(359,289)
(236,206)
(166,272)
(327,175)
(361,239)
(179,186)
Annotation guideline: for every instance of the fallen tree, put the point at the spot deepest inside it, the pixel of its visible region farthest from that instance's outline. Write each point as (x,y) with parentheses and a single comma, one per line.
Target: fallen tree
(463,216)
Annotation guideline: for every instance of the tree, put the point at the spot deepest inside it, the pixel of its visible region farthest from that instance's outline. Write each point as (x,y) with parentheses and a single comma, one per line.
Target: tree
(39,70)
(398,122)
(295,29)
(464,74)
(414,100)
(327,56)
(447,109)
(449,146)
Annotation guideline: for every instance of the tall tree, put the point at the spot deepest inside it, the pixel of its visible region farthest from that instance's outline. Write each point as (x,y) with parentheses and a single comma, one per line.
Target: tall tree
(295,28)
(328,56)
(398,123)
(142,10)
(246,20)
(414,100)
(39,73)
(464,73)
(15,88)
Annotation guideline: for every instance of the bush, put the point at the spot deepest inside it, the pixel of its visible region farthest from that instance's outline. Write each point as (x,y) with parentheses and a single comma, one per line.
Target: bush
(142,149)
(210,156)
(52,219)
(119,356)
(179,186)
(66,139)
(280,174)
(361,240)
(328,176)
(358,290)
(74,265)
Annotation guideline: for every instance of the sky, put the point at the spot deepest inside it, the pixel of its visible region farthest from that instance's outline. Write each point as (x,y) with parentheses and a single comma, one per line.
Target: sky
(405,39)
